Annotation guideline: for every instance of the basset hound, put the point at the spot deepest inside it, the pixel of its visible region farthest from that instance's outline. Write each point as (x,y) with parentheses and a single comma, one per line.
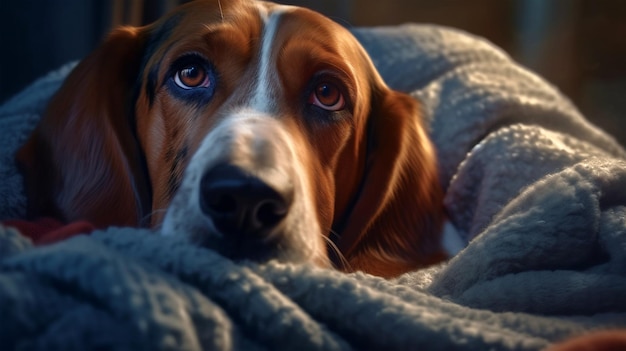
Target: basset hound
(262,131)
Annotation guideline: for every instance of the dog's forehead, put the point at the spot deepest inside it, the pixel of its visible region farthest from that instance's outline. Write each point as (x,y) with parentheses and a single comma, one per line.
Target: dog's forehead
(254,17)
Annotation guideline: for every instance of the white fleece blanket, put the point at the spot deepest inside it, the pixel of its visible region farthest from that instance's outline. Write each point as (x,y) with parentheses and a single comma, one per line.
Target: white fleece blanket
(537,192)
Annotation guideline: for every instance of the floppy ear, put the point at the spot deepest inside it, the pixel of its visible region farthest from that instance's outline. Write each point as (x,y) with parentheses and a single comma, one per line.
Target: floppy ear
(397,217)
(83,160)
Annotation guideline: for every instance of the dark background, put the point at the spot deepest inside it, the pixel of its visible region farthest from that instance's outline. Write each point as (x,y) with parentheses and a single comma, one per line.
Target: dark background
(578,45)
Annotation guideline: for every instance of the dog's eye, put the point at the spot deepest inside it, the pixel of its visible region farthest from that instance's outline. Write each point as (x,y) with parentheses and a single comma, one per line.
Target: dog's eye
(192,76)
(327,96)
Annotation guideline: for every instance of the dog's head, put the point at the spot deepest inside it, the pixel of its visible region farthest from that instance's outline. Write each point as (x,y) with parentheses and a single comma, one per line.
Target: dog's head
(264,131)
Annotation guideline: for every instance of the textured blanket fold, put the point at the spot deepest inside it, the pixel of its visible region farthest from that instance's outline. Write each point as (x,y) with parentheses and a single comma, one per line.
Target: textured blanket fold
(537,193)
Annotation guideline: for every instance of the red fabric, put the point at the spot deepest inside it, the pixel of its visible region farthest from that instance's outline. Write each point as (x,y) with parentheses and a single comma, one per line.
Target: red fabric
(49,230)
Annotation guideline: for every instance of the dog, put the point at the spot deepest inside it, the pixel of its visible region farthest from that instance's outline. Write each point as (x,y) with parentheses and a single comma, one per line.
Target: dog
(262,131)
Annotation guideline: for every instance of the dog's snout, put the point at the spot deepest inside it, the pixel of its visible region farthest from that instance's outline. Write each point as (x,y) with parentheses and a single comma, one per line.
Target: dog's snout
(242,205)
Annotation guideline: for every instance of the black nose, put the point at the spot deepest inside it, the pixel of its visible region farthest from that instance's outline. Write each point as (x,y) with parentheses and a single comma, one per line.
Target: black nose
(240,204)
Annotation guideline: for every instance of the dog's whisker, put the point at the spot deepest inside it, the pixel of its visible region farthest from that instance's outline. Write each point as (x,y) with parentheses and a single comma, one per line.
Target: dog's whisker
(147,219)
(219,3)
(344,263)
(333,235)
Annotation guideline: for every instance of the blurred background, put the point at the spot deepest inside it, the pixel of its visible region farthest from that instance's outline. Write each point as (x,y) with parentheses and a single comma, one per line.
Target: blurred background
(577,45)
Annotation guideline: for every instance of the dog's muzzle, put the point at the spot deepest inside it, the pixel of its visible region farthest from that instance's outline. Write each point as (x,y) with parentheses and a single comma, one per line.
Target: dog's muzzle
(247,194)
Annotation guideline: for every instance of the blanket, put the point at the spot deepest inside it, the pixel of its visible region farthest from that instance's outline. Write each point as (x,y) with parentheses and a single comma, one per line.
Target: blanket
(536,192)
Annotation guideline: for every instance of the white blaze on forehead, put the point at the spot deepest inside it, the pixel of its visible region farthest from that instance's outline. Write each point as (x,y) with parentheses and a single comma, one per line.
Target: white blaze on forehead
(262,100)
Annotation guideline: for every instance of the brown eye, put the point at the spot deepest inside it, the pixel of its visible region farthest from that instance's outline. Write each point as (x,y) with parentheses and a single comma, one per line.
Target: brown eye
(327,96)
(192,76)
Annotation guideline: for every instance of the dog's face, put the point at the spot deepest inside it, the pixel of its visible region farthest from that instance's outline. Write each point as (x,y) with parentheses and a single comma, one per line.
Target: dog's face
(260,129)
(267,92)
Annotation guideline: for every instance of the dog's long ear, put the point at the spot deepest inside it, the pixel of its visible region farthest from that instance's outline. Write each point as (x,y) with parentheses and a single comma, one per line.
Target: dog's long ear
(81,162)
(396,220)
